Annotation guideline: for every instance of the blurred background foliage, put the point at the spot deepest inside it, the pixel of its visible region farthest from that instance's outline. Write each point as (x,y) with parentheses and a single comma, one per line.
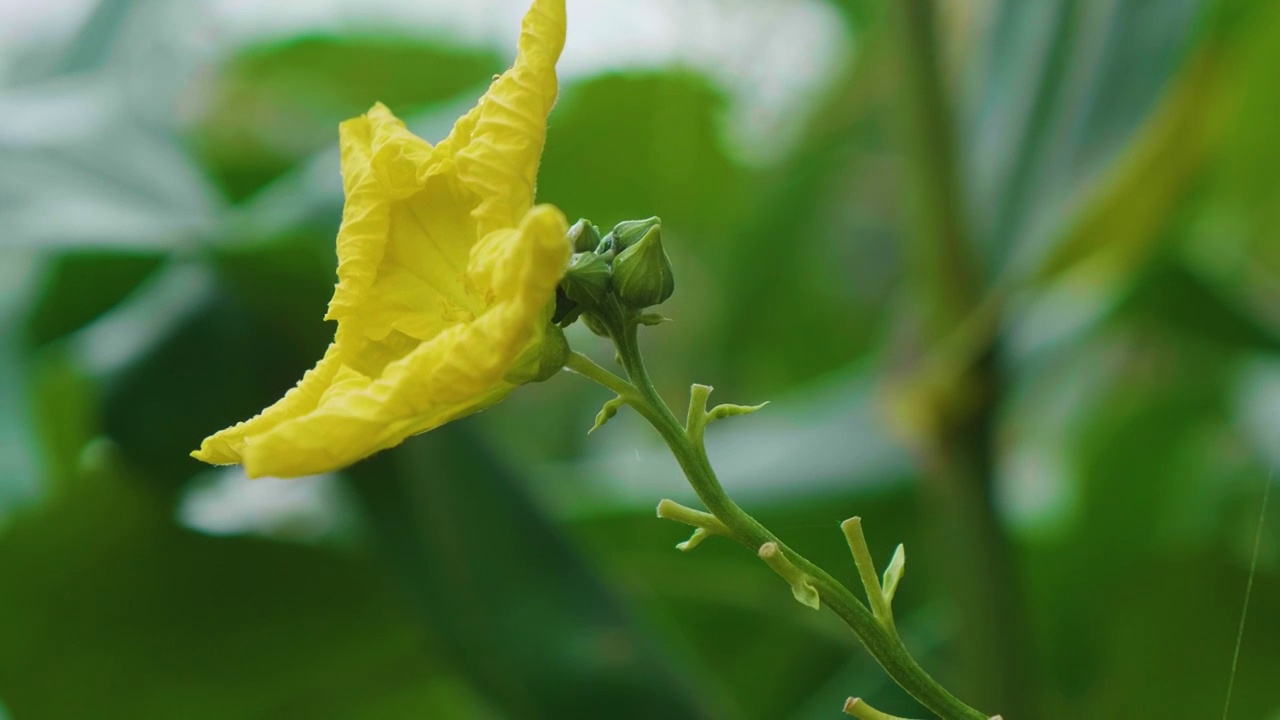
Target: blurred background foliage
(1008,271)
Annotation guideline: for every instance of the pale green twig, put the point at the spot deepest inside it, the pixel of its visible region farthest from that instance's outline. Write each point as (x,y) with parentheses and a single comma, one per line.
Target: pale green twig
(879,596)
(705,524)
(857,707)
(801,584)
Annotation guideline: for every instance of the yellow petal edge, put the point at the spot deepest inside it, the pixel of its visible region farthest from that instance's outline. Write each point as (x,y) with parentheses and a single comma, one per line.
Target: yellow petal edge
(446,277)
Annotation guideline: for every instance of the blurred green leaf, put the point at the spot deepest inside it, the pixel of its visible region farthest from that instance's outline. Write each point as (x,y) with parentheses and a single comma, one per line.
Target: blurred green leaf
(20,464)
(91,46)
(526,618)
(1154,458)
(1241,213)
(217,366)
(285,282)
(273,105)
(153,621)
(622,147)
(64,409)
(805,266)
(1117,230)
(1053,112)
(80,287)
(114,185)
(1170,295)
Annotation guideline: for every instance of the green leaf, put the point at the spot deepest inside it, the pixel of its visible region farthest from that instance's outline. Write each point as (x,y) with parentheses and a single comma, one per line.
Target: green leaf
(1055,112)
(91,46)
(216,366)
(802,265)
(273,105)
(285,281)
(527,619)
(1119,226)
(116,186)
(1172,296)
(622,146)
(80,287)
(104,594)
(20,464)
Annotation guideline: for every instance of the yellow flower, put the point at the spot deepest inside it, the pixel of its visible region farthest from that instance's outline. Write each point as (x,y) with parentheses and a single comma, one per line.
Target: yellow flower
(447,275)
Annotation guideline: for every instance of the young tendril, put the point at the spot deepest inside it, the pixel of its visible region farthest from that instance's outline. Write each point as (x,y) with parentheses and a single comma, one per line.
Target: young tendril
(611,315)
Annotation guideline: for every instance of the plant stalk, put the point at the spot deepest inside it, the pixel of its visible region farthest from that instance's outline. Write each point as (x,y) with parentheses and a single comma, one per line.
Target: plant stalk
(884,646)
(959,455)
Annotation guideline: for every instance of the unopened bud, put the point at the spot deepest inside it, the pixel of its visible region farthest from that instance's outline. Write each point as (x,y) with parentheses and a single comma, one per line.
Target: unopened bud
(584,236)
(586,281)
(642,273)
(629,232)
(542,360)
(566,311)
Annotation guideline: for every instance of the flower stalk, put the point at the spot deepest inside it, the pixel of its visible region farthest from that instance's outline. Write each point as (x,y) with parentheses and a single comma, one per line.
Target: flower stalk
(811,584)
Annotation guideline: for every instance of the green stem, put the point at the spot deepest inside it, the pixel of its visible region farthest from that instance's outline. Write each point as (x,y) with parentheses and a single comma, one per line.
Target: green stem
(691,454)
(943,276)
(960,330)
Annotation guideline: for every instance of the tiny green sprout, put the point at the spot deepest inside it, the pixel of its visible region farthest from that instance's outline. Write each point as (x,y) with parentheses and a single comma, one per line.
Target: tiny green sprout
(801,584)
(629,232)
(699,534)
(699,417)
(606,413)
(720,412)
(584,236)
(652,318)
(893,573)
(879,595)
(705,524)
(857,707)
(586,281)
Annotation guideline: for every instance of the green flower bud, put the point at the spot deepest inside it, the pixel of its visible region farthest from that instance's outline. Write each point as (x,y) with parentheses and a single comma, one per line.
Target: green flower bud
(628,233)
(586,282)
(584,236)
(566,310)
(605,248)
(541,361)
(642,273)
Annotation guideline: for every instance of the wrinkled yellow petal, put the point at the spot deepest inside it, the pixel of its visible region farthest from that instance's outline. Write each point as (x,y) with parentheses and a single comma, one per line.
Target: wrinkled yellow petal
(400,207)
(446,277)
(525,269)
(500,159)
(456,373)
(227,446)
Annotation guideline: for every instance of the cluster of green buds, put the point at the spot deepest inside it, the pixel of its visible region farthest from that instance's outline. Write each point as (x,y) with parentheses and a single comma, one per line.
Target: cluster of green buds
(627,268)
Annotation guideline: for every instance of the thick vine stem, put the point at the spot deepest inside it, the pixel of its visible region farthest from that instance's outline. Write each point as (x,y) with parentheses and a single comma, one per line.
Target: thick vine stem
(690,452)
